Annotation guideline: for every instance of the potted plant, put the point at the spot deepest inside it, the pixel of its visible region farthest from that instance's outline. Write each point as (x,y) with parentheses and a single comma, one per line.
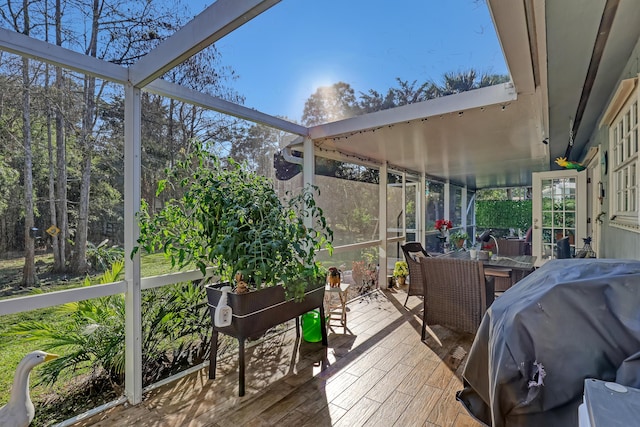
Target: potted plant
(400,272)
(443,226)
(232,221)
(458,238)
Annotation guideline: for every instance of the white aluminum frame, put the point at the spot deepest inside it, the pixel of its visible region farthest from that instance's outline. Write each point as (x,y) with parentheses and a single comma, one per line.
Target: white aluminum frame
(219,19)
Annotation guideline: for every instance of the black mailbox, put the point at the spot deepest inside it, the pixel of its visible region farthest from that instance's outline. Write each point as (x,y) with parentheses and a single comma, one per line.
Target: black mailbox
(33,232)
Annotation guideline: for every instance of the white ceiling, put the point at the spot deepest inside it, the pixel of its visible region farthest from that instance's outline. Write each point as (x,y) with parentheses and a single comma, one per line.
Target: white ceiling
(482,143)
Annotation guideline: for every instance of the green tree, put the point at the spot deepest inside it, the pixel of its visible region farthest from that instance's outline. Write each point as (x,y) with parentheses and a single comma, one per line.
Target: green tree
(9,178)
(457,82)
(257,145)
(337,102)
(410,93)
(462,81)
(329,104)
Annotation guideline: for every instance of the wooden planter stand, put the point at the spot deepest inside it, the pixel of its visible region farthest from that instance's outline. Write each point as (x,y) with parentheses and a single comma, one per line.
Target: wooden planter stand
(255,312)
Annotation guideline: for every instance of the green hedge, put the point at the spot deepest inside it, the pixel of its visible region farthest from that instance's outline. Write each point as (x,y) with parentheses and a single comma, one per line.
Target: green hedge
(503,214)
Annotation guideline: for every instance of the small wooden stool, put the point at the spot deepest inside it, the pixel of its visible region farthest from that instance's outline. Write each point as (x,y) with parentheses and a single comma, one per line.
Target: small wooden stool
(337,310)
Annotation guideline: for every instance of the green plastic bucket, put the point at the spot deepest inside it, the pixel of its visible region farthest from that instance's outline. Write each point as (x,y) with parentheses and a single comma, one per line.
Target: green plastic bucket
(311,328)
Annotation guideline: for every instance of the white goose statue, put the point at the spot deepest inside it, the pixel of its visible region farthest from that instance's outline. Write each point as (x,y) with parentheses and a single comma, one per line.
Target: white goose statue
(19,412)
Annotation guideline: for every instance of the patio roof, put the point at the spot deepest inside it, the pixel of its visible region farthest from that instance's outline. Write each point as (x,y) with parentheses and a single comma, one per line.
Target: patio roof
(564,57)
(487,137)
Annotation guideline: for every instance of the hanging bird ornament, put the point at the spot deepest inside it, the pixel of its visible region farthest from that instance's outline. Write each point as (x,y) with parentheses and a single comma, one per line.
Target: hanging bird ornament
(19,412)
(569,164)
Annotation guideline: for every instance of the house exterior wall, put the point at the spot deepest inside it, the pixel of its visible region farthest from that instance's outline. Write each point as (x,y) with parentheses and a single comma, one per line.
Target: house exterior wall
(615,242)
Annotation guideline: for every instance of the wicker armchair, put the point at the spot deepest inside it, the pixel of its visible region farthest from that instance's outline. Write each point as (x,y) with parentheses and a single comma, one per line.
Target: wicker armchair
(510,247)
(413,251)
(457,294)
(504,277)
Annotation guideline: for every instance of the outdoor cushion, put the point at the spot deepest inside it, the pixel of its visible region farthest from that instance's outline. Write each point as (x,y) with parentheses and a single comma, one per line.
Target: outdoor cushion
(415,255)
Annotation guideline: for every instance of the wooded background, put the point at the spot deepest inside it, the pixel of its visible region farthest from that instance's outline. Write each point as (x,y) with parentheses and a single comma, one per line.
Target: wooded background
(61,132)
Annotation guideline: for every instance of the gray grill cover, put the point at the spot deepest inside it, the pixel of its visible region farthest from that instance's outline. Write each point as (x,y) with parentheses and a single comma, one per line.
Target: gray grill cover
(569,320)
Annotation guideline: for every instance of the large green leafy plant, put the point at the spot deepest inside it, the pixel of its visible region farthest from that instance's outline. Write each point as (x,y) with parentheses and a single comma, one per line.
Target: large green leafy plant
(232,220)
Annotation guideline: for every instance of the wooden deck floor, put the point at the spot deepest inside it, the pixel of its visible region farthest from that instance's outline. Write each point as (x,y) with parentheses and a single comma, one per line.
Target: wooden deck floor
(378,374)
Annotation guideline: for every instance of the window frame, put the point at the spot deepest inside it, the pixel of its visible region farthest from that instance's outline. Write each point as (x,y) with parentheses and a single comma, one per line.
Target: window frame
(624,160)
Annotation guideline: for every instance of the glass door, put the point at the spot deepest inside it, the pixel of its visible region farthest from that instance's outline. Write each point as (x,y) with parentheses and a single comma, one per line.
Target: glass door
(559,210)
(411,216)
(396,212)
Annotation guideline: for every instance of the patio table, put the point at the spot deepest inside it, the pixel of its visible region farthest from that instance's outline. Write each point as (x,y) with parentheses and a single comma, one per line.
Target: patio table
(521,265)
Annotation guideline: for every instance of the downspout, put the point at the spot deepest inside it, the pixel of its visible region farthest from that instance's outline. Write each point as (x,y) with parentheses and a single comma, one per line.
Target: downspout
(287,154)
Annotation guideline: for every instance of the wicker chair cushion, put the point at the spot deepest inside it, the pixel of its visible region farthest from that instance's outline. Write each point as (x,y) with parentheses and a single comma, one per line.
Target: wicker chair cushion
(416,255)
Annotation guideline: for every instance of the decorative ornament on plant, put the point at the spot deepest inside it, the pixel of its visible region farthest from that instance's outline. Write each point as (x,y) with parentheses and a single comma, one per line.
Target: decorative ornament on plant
(334,277)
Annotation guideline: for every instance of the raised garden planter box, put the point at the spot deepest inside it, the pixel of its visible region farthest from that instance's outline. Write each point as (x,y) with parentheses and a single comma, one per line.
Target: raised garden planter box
(255,312)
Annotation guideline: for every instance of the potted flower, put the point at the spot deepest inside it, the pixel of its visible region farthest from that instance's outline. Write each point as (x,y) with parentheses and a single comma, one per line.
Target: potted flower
(443,226)
(232,221)
(400,272)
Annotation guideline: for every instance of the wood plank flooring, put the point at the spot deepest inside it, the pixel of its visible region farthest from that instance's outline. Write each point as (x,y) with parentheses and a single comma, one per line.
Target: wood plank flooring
(378,374)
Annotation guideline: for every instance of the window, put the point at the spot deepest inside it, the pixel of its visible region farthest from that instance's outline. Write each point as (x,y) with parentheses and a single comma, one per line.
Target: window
(623,144)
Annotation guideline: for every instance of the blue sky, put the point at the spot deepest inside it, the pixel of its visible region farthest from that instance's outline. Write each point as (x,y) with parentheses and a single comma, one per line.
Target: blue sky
(285,54)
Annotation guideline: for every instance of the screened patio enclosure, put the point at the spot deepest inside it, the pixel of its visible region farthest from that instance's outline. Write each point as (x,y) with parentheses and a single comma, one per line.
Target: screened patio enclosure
(426,159)
(394,182)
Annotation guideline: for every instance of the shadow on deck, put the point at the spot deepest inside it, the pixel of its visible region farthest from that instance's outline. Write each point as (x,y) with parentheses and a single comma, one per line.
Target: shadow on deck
(378,374)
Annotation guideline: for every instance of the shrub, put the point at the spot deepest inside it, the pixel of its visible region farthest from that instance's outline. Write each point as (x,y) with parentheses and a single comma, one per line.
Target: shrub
(504,214)
(101,256)
(176,329)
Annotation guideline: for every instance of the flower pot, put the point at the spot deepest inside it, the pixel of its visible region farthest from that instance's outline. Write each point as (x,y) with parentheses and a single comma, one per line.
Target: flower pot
(256,312)
(400,280)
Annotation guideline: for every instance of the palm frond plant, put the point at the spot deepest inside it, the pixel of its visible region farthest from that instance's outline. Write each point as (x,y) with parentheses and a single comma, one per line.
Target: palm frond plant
(176,333)
(102,256)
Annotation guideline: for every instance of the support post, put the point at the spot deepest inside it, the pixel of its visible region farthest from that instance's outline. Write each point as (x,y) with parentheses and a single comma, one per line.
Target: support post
(382,227)
(447,200)
(421,217)
(132,179)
